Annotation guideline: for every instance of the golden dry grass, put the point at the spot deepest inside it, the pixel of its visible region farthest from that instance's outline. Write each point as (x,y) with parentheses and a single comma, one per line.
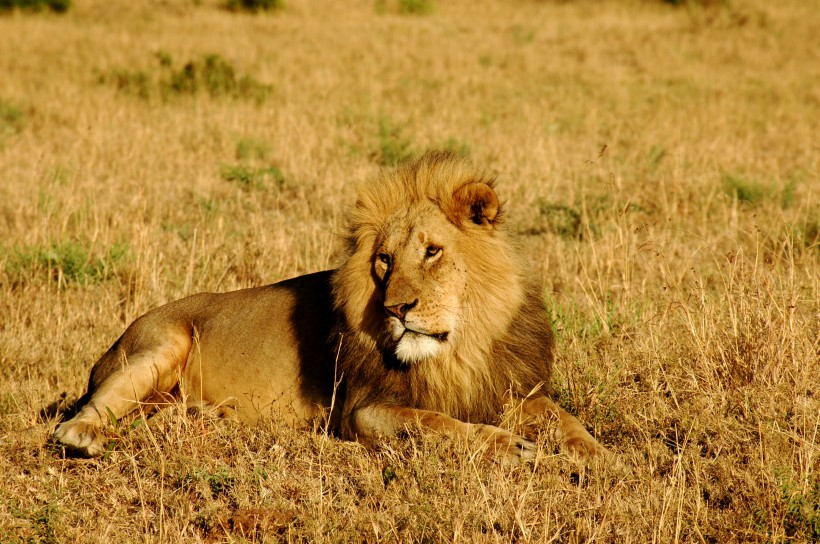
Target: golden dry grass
(681,261)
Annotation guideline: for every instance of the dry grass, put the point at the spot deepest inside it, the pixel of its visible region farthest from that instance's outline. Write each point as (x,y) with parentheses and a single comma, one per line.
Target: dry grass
(681,262)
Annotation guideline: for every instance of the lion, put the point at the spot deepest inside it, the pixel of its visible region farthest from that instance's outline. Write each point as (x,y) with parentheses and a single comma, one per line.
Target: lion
(431,322)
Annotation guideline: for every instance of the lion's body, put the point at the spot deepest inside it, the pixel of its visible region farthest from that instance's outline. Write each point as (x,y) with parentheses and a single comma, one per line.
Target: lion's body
(255,353)
(431,320)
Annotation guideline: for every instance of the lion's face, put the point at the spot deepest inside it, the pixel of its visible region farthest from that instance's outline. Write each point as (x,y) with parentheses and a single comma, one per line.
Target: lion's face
(422,279)
(429,272)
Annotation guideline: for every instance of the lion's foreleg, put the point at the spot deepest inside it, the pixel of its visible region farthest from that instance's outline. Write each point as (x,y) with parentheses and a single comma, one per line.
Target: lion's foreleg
(373,421)
(120,390)
(573,436)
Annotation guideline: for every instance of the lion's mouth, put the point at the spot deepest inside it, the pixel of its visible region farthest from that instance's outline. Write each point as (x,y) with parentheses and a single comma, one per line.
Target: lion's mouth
(440,336)
(412,345)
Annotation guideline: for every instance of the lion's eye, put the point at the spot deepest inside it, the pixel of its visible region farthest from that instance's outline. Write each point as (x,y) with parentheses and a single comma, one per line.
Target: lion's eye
(384,258)
(432,251)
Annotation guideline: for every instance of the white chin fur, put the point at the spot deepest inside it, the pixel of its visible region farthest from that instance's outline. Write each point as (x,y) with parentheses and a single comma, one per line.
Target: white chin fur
(416,347)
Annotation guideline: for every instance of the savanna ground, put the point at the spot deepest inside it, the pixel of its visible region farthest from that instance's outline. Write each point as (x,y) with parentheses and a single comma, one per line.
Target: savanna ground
(660,165)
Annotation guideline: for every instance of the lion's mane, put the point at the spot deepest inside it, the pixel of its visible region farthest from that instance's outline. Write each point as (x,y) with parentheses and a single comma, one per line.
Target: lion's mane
(506,343)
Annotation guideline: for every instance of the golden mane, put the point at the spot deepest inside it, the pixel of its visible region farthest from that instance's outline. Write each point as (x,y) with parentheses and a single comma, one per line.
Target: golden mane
(468,381)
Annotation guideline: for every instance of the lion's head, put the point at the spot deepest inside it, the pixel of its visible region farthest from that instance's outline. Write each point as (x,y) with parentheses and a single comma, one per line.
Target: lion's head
(429,273)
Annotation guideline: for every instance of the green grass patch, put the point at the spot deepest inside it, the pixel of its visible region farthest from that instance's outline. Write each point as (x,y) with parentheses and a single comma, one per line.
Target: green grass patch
(251,149)
(12,119)
(585,218)
(522,35)
(406,7)
(806,233)
(133,82)
(456,146)
(801,506)
(571,321)
(61,262)
(254,6)
(744,189)
(57,6)
(416,7)
(393,147)
(755,192)
(655,156)
(8,404)
(215,76)
(45,522)
(569,221)
(702,3)
(209,207)
(249,178)
(209,75)
(561,220)
(219,480)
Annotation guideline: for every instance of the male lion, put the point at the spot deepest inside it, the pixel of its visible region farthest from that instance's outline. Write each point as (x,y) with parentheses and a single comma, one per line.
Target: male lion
(429,321)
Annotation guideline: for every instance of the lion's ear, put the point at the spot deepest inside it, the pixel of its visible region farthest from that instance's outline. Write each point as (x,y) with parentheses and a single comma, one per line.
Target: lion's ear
(476,202)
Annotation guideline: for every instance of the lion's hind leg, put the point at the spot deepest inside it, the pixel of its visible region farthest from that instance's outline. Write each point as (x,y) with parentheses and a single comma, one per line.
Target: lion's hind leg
(128,375)
(574,438)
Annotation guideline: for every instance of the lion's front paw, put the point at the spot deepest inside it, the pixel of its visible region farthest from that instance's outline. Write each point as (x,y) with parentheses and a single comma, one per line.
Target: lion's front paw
(510,448)
(80,437)
(584,447)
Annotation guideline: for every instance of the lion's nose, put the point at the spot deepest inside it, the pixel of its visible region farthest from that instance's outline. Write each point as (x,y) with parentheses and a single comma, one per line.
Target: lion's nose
(400,310)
